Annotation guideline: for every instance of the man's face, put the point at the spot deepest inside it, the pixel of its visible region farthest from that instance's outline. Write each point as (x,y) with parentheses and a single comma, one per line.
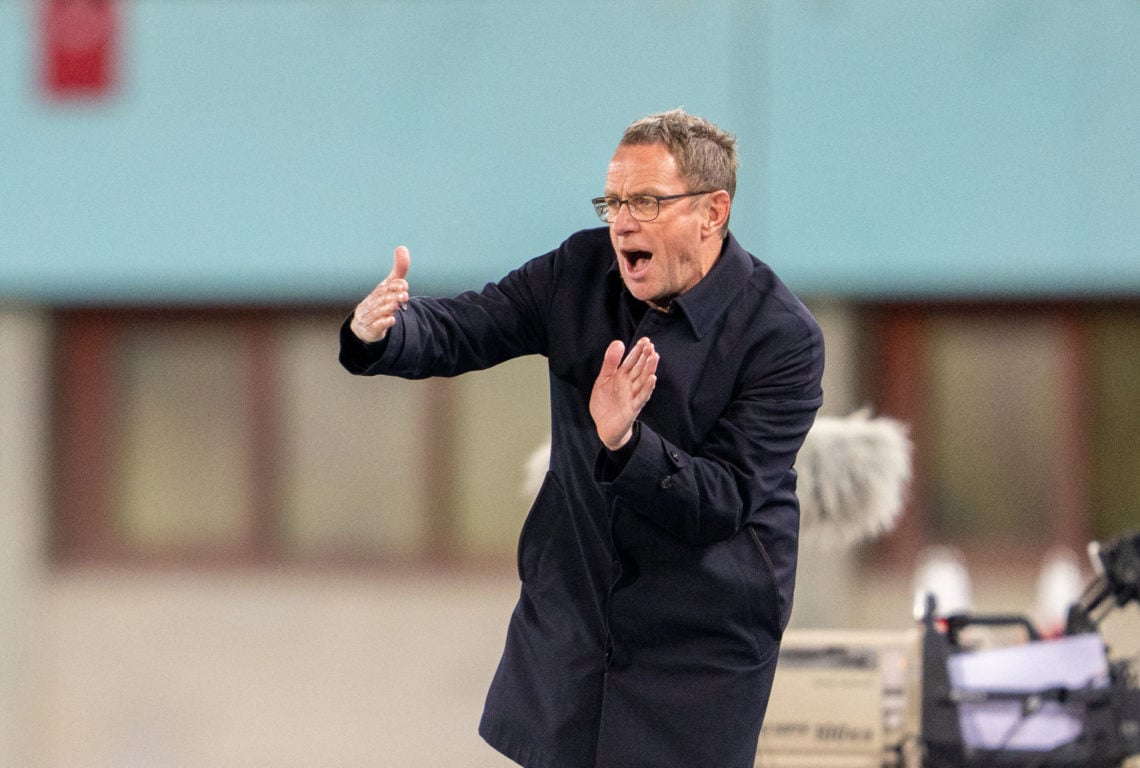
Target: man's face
(663,258)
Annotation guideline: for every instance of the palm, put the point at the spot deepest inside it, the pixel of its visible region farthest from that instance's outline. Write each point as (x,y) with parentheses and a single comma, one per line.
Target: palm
(622,389)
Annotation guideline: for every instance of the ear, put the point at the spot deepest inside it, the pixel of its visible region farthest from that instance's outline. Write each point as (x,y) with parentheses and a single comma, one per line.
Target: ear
(720,204)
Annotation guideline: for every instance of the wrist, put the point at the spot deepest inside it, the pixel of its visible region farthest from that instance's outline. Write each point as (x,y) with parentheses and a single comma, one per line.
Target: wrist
(620,443)
(621,450)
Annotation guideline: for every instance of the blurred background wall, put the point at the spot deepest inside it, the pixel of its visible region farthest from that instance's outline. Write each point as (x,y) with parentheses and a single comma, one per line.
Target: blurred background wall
(220,550)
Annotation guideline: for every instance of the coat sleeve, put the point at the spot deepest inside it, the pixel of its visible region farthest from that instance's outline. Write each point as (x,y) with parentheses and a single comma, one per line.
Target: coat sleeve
(471,331)
(743,467)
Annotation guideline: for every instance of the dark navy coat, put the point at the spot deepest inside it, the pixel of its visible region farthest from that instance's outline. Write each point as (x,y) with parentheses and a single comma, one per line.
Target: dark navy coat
(654,589)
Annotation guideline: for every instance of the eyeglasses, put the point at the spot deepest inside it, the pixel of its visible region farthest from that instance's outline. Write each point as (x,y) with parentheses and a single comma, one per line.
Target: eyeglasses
(641,207)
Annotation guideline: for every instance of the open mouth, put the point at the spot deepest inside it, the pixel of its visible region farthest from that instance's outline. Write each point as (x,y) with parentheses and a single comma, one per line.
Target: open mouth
(636,261)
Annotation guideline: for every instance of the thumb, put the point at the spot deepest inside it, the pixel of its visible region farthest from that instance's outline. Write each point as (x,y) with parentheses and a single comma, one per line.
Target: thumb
(401,260)
(613,357)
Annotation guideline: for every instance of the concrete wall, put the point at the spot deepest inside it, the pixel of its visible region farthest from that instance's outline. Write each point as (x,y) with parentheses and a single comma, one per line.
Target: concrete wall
(23,443)
(296,667)
(267,670)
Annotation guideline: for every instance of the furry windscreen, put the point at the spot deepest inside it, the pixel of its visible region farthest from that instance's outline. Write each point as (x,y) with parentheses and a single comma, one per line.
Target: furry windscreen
(854,472)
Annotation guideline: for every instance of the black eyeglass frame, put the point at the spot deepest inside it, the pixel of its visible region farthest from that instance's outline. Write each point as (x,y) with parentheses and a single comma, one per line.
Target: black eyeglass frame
(602,205)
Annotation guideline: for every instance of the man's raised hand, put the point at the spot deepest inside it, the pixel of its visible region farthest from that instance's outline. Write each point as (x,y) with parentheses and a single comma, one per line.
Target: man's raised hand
(376,313)
(622,389)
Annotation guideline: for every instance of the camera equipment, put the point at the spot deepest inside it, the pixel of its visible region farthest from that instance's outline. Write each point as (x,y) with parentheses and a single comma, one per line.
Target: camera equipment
(1117,565)
(1058,703)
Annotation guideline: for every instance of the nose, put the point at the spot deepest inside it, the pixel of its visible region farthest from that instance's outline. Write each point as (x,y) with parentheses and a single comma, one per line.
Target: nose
(624,222)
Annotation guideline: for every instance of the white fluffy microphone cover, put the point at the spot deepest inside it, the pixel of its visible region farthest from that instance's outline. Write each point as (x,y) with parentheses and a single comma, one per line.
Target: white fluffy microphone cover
(854,472)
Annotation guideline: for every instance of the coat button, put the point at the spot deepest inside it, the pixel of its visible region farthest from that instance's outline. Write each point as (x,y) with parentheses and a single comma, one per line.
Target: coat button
(667,481)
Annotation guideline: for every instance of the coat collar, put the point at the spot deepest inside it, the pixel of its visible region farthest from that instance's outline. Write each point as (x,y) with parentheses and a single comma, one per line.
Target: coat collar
(704,303)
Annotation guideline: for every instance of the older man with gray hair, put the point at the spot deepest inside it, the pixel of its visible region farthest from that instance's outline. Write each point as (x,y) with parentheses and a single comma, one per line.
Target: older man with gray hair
(658,559)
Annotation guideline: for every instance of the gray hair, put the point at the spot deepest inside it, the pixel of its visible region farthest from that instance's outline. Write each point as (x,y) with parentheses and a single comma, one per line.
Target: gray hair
(705,154)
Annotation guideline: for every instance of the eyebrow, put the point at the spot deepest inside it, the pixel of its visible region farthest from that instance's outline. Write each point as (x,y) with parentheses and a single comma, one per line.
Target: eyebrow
(636,194)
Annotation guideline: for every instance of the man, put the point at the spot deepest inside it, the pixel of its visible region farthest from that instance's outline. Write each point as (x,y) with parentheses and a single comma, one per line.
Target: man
(658,559)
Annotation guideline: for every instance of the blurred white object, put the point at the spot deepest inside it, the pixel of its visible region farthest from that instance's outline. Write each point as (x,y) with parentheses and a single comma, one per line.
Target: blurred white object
(870,725)
(942,572)
(535,470)
(1075,663)
(853,476)
(1059,585)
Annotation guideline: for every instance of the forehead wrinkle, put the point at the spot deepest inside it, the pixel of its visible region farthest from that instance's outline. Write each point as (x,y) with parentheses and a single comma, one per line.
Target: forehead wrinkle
(631,172)
(638,188)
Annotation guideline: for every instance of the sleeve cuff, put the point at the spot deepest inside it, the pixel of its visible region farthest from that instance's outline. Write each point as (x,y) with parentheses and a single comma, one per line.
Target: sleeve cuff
(359,356)
(613,462)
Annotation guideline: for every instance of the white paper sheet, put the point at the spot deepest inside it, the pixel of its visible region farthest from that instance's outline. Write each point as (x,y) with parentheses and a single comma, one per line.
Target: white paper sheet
(1074,663)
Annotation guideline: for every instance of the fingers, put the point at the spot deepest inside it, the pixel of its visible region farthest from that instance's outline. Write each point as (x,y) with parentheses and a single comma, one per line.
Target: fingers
(640,368)
(396,281)
(612,358)
(377,312)
(642,357)
(622,389)
(637,368)
(401,261)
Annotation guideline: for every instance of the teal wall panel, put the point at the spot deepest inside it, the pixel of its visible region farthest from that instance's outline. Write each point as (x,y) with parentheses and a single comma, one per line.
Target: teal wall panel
(963,147)
(261,150)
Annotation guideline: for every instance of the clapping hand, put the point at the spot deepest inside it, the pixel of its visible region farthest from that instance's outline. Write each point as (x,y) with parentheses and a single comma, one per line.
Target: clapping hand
(622,389)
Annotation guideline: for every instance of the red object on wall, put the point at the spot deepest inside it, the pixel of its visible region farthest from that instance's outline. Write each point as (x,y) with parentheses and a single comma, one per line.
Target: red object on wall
(80,46)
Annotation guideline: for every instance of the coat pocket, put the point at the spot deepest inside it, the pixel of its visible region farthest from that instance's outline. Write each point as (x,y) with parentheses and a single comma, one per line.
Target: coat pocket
(770,603)
(538,528)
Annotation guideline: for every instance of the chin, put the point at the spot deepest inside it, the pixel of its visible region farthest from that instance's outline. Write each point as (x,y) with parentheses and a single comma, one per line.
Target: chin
(640,290)
(641,295)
